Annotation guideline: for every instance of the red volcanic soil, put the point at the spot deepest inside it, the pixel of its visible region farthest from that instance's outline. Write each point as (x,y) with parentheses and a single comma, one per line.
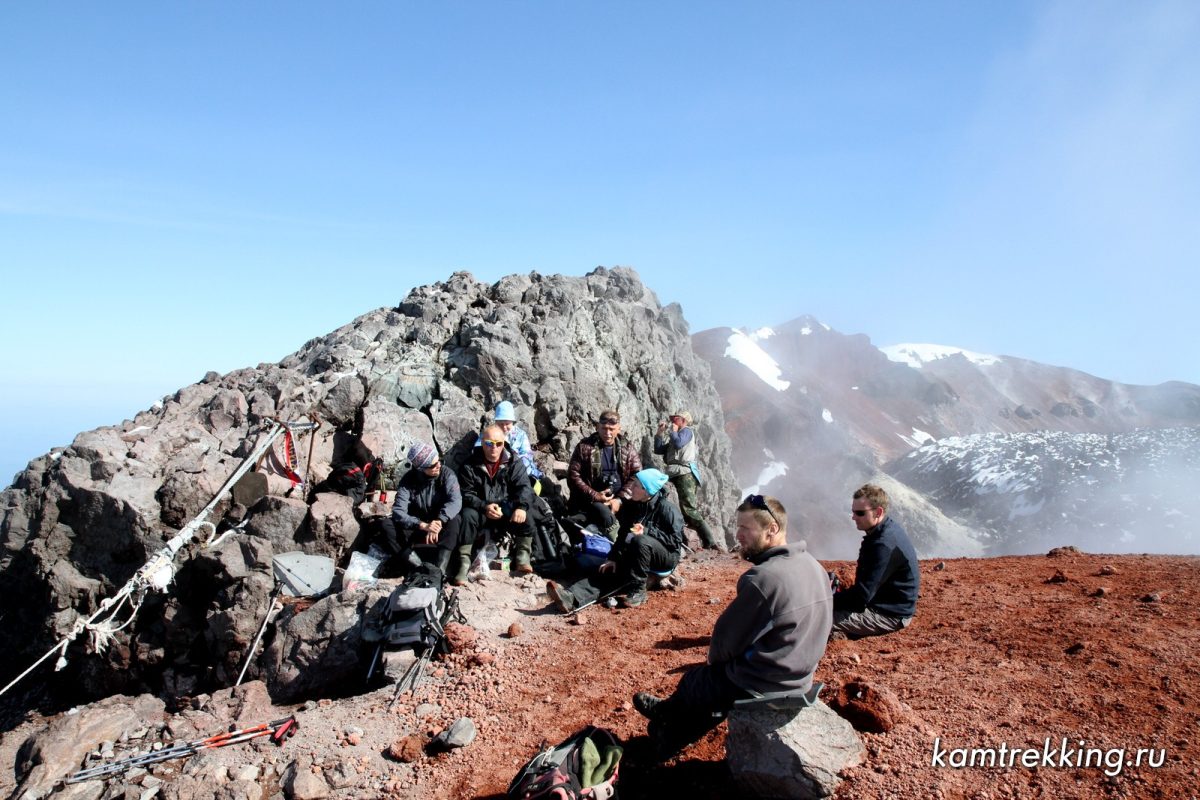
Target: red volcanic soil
(1002,652)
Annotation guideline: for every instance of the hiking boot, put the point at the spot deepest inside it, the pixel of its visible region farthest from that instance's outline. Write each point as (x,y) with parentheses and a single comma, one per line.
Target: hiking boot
(646,704)
(562,598)
(443,559)
(464,565)
(521,547)
(635,599)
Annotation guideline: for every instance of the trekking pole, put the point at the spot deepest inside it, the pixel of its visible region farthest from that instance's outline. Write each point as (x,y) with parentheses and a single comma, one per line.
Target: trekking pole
(261,631)
(280,730)
(412,677)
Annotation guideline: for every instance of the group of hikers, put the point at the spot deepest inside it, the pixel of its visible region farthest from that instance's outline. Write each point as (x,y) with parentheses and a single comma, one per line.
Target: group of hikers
(770,638)
(446,517)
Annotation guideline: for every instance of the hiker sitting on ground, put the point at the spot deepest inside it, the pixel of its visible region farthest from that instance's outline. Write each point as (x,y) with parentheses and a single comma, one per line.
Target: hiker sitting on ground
(496,500)
(883,598)
(769,639)
(652,544)
(602,474)
(426,512)
(676,443)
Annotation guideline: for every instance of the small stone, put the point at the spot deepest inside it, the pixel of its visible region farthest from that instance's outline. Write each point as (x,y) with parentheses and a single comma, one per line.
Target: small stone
(246,772)
(1078,647)
(1101,591)
(310,705)
(482,659)
(713,601)
(515,630)
(1107,569)
(353,730)
(460,734)
(324,702)
(354,739)
(1058,577)
(407,750)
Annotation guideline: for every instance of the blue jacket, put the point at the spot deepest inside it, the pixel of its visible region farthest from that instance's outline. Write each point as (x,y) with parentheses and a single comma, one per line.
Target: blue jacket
(888,577)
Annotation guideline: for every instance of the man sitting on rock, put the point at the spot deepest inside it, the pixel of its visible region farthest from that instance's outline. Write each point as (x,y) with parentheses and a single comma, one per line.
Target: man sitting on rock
(769,639)
(680,451)
(426,511)
(652,544)
(602,474)
(496,499)
(883,598)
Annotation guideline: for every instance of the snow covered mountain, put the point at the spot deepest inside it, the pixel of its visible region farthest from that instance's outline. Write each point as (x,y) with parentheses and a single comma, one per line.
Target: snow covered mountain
(813,413)
(1110,493)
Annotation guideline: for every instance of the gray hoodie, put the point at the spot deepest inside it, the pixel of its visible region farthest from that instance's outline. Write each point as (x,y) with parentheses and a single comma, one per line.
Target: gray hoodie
(772,635)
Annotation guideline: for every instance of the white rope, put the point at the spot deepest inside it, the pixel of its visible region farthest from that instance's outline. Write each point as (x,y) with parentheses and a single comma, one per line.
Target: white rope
(158,572)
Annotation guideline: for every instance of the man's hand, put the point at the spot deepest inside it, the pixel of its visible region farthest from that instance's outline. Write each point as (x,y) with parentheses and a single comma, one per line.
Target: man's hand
(492,511)
(662,426)
(432,536)
(518,516)
(615,504)
(608,566)
(638,529)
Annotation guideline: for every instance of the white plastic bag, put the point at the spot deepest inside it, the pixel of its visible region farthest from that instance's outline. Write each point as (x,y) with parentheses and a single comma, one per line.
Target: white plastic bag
(363,569)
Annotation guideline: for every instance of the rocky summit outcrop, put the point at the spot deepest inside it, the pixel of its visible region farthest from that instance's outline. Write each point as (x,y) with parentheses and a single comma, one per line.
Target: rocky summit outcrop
(78,522)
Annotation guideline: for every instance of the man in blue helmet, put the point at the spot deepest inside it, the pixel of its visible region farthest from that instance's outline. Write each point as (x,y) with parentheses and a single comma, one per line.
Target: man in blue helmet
(652,538)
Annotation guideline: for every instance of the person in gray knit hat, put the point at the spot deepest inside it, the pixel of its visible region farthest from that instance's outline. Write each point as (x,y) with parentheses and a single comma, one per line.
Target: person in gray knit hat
(676,443)
(426,512)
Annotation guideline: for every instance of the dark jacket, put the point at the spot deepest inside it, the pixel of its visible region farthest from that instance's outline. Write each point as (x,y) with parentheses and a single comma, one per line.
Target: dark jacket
(659,517)
(510,488)
(772,635)
(420,498)
(888,578)
(584,471)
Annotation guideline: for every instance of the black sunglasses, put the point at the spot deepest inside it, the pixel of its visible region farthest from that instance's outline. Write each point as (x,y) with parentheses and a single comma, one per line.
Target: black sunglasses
(760,502)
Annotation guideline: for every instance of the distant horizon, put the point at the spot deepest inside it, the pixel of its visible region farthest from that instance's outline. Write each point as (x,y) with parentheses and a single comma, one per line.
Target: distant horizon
(54,415)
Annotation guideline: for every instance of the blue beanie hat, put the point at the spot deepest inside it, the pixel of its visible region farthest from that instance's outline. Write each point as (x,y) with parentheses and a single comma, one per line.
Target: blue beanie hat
(652,480)
(505,412)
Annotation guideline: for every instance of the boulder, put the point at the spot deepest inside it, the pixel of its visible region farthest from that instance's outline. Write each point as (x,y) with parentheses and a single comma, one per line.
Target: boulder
(57,751)
(316,647)
(790,754)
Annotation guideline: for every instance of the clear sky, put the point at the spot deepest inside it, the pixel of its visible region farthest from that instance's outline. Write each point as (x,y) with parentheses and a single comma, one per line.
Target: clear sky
(196,186)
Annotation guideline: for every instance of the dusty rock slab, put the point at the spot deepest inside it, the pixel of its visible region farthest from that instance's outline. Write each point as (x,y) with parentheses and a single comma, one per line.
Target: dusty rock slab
(788,754)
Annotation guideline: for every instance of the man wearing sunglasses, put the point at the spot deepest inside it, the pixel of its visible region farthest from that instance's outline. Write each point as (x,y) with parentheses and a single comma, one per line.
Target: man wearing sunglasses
(883,598)
(496,497)
(768,640)
(603,474)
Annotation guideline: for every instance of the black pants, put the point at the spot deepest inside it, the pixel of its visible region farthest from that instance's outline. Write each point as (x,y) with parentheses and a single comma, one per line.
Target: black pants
(398,542)
(475,524)
(700,703)
(597,513)
(643,555)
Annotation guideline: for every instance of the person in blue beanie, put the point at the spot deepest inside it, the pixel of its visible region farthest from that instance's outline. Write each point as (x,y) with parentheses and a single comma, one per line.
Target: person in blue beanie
(652,540)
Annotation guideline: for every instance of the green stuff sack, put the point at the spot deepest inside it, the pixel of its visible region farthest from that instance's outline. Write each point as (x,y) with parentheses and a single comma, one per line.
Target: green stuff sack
(582,767)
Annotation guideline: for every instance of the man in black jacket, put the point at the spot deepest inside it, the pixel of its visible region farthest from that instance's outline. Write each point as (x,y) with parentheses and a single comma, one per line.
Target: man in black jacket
(496,497)
(883,598)
(426,511)
(768,640)
(654,537)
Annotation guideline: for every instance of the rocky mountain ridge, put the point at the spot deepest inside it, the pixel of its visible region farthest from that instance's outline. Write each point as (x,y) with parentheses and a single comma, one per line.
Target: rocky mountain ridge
(814,413)
(80,521)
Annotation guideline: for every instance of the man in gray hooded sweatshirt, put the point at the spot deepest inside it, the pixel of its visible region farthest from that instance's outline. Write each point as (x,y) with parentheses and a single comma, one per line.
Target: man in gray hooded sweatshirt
(769,639)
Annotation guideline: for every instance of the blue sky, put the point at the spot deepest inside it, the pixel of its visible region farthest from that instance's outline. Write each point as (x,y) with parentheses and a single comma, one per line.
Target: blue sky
(186,187)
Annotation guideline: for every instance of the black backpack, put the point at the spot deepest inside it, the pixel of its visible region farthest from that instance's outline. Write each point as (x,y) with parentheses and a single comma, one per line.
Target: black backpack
(591,756)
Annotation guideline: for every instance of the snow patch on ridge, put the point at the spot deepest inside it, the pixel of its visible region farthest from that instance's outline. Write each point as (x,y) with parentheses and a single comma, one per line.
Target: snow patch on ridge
(773,470)
(918,355)
(744,348)
(826,415)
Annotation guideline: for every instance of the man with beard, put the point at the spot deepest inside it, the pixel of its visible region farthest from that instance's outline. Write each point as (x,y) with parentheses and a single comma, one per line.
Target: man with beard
(768,640)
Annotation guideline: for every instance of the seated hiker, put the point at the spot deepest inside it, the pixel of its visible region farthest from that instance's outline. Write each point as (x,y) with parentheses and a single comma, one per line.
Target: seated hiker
(652,544)
(602,474)
(496,500)
(425,515)
(680,451)
(768,640)
(883,598)
(518,439)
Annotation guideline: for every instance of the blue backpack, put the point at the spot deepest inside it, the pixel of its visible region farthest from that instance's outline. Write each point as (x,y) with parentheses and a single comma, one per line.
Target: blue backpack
(591,551)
